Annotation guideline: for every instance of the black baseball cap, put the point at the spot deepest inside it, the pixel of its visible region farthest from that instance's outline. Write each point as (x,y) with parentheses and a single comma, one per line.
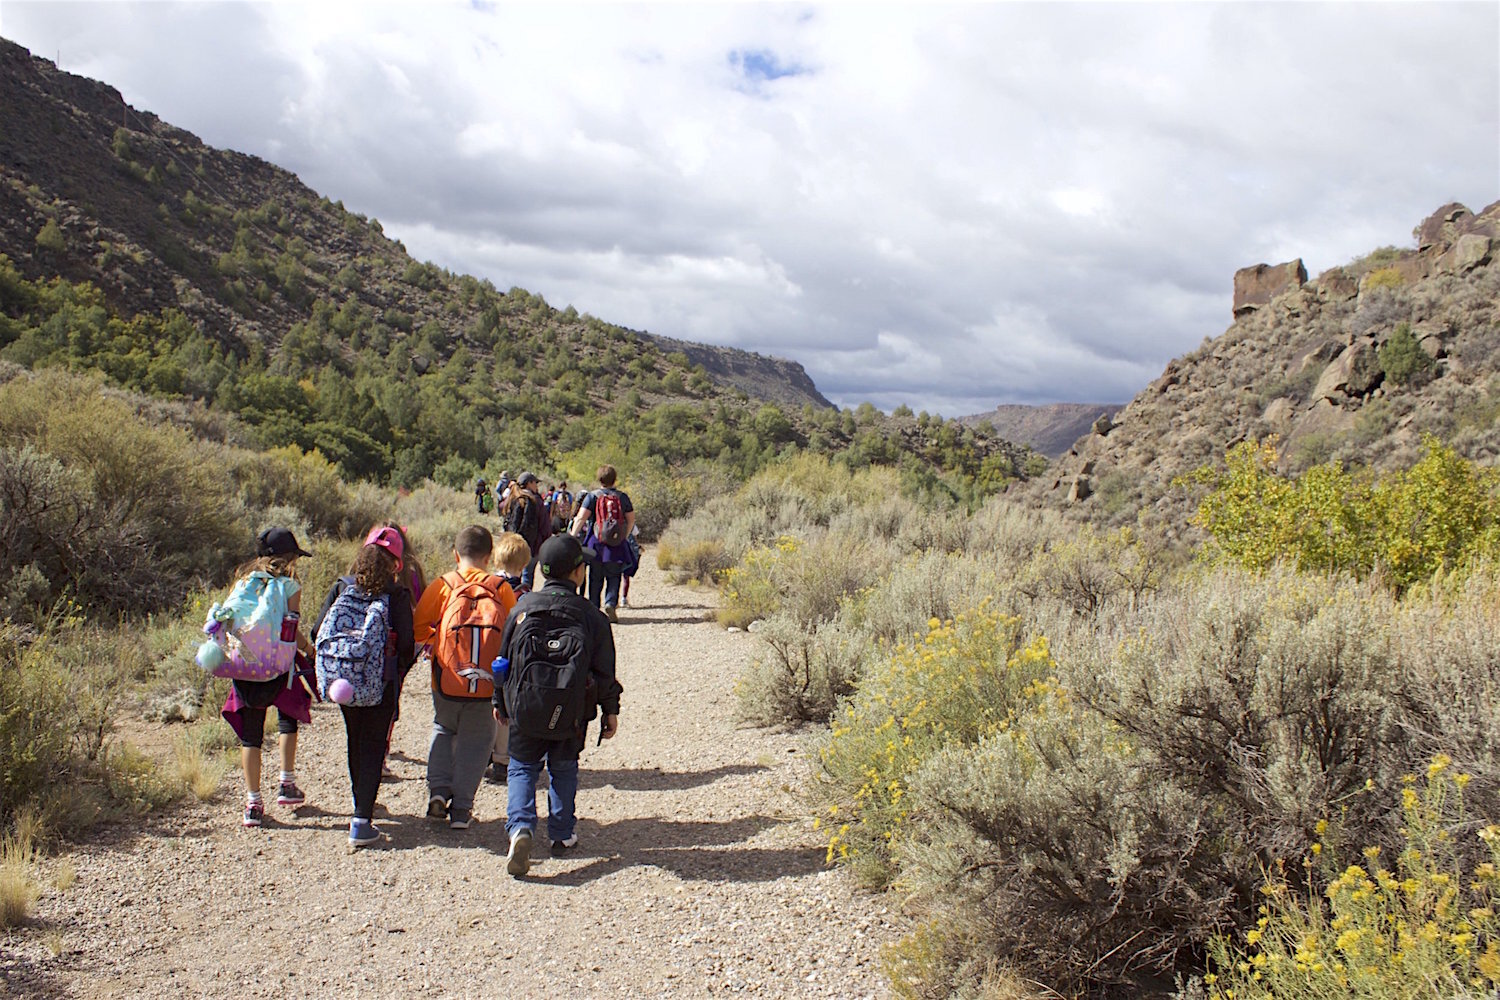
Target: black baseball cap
(560,555)
(526,479)
(278,542)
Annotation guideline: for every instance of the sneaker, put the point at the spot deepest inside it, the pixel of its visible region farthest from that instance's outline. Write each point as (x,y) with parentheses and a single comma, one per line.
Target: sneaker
(363,833)
(518,861)
(558,846)
(612,613)
(290,795)
(437,807)
(254,813)
(458,819)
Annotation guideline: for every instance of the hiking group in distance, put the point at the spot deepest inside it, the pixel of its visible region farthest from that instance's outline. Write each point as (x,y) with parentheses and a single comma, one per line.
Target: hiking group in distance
(518,672)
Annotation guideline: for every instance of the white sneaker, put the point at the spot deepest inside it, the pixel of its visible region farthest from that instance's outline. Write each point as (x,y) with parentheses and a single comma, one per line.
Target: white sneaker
(518,861)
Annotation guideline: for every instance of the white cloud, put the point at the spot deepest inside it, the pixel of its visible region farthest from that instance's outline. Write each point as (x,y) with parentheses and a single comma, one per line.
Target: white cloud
(945,206)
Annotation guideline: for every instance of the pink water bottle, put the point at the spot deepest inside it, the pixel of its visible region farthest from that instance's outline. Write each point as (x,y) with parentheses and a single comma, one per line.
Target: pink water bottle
(289,626)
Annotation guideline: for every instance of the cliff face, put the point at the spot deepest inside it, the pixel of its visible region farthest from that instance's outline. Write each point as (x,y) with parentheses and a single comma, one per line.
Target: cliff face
(1356,365)
(1050,428)
(157,220)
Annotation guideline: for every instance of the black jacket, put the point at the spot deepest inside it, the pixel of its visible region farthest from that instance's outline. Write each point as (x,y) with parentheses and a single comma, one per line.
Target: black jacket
(600,641)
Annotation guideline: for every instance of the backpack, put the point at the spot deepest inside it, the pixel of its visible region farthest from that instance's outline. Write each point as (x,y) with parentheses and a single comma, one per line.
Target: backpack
(486,502)
(547,691)
(353,643)
(524,519)
(609,517)
(257,637)
(468,637)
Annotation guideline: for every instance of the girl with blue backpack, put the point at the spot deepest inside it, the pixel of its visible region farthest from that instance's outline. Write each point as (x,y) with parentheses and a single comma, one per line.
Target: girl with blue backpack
(254,637)
(364,649)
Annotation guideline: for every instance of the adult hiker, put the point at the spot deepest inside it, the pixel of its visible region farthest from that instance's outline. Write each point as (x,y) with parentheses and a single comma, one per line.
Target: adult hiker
(608,516)
(482,499)
(559,671)
(526,515)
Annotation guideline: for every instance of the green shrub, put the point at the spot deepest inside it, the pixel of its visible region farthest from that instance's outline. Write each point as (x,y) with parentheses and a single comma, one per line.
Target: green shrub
(1402,358)
(1417,921)
(968,677)
(310,485)
(800,675)
(806,580)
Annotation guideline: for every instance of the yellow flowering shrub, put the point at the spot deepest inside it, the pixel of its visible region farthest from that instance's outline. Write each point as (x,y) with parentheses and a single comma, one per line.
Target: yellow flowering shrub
(1422,924)
(968,677)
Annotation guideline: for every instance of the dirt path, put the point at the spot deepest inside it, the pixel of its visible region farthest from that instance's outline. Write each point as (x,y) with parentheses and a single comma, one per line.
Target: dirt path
(695,875)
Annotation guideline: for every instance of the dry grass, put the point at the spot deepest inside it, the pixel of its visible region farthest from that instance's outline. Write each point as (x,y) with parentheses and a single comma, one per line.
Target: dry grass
(197,770)
(18,888)
(65,876)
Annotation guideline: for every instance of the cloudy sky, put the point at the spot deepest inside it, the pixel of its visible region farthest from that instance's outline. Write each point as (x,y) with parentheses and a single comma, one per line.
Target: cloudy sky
(947,206)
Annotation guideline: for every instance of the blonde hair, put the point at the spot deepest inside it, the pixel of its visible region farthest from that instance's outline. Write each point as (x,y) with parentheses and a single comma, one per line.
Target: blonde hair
(512,554)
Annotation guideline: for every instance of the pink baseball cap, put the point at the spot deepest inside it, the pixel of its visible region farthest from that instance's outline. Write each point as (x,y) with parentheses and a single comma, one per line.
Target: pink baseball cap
(388,539)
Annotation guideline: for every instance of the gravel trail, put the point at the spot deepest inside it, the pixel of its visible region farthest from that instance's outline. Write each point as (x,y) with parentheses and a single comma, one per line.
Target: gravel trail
(696,875)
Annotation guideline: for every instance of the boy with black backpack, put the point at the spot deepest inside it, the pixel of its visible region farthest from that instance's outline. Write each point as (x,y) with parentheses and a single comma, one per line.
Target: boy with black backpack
(463,615)
(560,673)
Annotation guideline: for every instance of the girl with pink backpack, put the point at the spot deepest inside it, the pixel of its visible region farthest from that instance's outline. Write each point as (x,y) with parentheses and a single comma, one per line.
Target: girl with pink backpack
(254,640)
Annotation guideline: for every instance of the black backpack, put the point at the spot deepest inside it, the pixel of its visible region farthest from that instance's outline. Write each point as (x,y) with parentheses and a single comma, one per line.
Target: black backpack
(548,689)
(524,518)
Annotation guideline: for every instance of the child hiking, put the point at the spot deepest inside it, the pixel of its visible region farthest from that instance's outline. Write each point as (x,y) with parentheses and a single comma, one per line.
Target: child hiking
(561,672)
(365,642)
(512,556)
(255,637)
(526,514)
(462,615)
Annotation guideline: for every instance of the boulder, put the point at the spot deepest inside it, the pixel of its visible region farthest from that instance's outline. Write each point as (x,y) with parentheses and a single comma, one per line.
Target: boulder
(1470,251)
(1103,425)
(1441,227)
(1279,413)
(1334,378)
(1365,372)
(1081,490)
(1337,285)
(1258,285)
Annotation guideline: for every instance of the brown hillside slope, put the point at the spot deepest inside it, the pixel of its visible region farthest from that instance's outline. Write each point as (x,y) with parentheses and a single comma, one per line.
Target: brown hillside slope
(157,219)
(1314,363)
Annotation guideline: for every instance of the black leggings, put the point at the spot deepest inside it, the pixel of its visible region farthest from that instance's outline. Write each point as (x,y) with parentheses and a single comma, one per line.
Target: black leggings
(258,696)
(367,729)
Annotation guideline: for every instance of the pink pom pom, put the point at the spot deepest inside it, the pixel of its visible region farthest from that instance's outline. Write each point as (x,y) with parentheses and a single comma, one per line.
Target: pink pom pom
(341,691)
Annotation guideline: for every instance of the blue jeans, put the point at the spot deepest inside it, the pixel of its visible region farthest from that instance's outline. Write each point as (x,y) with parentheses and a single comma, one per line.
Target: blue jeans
(526,758)
(605,578)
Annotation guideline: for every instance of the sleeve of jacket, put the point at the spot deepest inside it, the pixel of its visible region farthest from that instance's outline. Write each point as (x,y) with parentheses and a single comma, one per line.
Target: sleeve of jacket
(401,621)
(603,666)
(498,698)
(429,610)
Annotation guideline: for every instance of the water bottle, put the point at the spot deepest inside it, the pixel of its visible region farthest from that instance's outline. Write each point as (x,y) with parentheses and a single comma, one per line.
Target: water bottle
(500,669)
(289,626)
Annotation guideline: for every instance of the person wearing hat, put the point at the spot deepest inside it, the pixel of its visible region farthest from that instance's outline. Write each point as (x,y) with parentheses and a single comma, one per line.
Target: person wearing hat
(482,498)
(553,631)
(272,575)
(376,572)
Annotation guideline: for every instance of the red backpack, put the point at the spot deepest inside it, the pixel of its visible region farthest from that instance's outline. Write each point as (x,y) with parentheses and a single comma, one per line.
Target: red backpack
(468,637)
(609,517)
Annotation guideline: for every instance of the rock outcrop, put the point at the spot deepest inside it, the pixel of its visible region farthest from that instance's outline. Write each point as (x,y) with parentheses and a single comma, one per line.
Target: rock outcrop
(1306,362)
(1258,285)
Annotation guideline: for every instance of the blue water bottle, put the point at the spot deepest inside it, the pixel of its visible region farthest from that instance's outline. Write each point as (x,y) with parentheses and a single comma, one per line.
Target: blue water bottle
(500,668)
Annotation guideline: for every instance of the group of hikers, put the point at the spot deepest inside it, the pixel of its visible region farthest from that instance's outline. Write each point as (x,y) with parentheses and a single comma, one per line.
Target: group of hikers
(518,673)
(534,513)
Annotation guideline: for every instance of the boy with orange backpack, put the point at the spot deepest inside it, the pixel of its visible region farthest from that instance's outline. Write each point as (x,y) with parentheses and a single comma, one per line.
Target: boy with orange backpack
(462,614)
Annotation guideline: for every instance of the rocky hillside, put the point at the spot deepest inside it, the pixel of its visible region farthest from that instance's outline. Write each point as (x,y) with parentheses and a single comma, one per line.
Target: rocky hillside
(242,276)
(1051,429)
(1356,365)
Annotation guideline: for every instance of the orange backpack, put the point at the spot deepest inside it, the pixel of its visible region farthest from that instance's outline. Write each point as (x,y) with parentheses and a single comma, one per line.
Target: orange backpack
(468,637)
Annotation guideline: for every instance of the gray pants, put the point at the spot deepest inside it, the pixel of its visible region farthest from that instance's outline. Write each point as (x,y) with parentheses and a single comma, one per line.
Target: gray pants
(463,732)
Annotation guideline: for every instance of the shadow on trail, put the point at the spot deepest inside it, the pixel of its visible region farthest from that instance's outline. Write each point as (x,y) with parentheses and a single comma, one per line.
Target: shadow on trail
(654,779)
(628,619)
(23,977)
(690,849)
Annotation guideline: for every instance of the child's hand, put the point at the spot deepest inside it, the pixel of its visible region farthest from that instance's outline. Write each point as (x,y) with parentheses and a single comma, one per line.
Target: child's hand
(610,727)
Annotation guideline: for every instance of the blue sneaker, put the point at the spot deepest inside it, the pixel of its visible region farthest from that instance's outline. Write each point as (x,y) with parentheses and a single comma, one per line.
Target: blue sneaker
(363,833)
